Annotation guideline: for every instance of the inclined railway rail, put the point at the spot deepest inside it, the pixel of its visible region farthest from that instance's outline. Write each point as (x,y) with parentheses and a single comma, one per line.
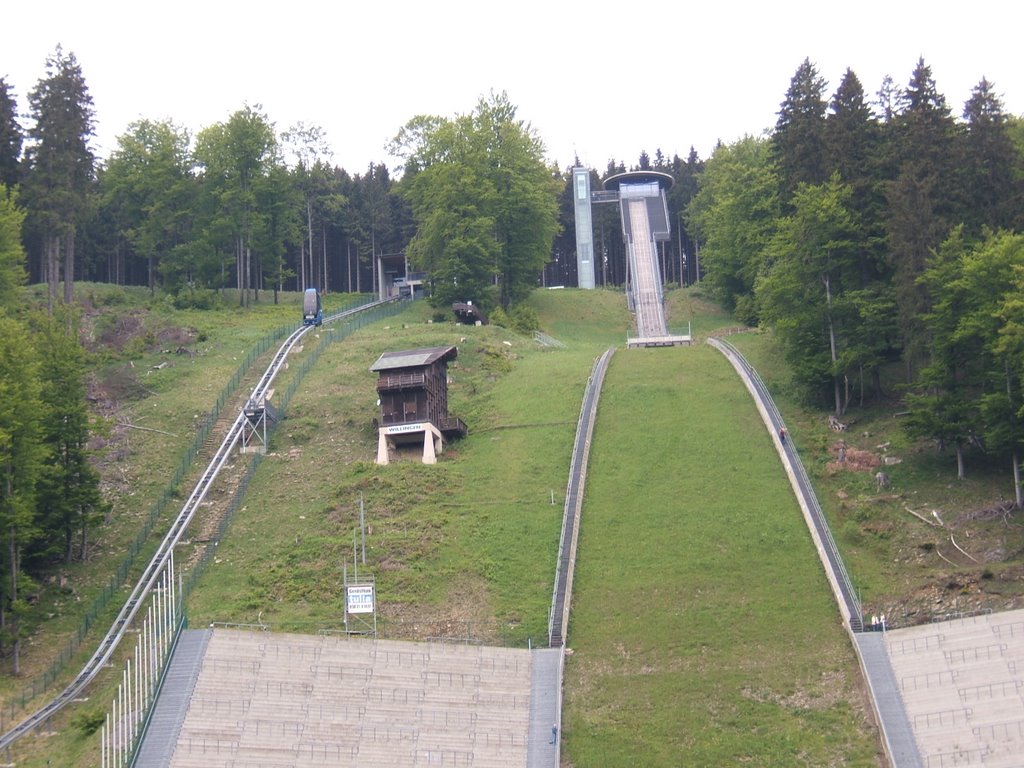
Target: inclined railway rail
(156,566)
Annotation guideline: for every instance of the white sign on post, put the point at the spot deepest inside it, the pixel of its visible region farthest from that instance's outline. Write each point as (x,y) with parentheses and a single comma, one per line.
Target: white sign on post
(359,598)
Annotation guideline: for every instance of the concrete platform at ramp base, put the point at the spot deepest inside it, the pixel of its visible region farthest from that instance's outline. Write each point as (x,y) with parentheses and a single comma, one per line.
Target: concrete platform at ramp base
(268,699)
(658,341)
(962,685)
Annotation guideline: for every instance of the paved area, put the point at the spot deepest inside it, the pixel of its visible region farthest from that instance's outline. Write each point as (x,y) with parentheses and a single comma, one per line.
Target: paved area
(896,731)
(290,701)
(962,684)
(545,709)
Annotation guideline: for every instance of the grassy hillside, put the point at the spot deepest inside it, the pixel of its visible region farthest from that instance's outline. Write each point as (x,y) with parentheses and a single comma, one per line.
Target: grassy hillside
(694,633)
(466,546)
(156,374)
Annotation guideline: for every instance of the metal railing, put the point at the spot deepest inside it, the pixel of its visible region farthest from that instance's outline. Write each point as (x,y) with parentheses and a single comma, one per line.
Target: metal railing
(558,618)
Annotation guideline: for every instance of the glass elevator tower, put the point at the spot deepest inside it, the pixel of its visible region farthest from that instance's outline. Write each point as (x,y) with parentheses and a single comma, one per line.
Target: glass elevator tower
(584,228)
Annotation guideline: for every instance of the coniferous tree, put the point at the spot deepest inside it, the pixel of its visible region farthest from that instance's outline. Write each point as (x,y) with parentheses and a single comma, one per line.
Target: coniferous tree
(277,225)
(314,179)
(992,166)
(798,141)
(561,267)
(11,138)
(851,144)
(60,167)
(923,200)
(686,174)
(854,149)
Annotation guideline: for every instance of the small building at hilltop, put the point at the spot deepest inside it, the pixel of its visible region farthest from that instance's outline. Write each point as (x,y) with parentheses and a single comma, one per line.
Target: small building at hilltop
(413,390)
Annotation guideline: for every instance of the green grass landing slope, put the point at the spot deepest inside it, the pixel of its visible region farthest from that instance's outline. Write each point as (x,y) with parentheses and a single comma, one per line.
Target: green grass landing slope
(703,631)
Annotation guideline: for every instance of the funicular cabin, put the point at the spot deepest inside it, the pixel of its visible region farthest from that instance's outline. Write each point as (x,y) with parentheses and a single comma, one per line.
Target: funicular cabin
(413,390)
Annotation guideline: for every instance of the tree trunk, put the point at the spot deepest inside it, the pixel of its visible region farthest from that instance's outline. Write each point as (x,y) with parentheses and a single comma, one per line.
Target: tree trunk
(14,621)
(1018,489)
(309,239)
(832,346)
(84,548)
(69,268)
(325,285)
(51,245)
(248,274)
(961,470)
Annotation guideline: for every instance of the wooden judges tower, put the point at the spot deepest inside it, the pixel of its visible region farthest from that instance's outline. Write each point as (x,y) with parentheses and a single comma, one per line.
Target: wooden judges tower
(413,390)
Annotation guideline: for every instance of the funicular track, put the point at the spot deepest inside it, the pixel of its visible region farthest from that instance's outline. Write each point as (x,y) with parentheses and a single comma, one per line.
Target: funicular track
(159,563)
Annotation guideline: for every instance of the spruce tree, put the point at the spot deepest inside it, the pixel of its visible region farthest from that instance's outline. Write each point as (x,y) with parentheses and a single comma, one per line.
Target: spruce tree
(10,138)
(61,166)
(923,198)
(798,142)
(992,166)
(852,138)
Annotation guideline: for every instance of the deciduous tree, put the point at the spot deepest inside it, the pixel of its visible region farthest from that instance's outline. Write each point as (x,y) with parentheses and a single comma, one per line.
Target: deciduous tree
(69,497)
(485,203)
(810,268)
(21,457)
(734,215)
(147,187)
(12,254)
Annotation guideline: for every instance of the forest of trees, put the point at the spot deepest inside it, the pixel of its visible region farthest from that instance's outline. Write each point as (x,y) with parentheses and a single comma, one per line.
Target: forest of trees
(870,235)
(878,236)
(243,206)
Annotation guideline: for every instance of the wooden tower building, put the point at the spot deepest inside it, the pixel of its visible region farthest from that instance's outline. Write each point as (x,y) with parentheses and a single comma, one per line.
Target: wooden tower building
(413,390)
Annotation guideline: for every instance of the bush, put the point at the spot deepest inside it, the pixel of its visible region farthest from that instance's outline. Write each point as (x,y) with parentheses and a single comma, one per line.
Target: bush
(89,723)
(524,319)
(500,318)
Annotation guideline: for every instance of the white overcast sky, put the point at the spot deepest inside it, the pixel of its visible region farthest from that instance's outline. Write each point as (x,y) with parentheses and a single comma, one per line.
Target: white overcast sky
(591,80)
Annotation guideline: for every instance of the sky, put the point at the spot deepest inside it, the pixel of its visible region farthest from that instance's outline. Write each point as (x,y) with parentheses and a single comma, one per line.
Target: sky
(593,81)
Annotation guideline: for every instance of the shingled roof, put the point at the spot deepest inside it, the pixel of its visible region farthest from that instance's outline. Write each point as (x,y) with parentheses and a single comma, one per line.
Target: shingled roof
(414,358)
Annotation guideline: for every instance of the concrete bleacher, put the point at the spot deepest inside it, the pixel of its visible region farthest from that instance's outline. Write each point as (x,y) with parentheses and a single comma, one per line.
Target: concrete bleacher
(287,701)
(962,684)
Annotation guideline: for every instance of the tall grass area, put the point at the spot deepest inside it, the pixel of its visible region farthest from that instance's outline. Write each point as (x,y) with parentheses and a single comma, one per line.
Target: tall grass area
(703,632)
